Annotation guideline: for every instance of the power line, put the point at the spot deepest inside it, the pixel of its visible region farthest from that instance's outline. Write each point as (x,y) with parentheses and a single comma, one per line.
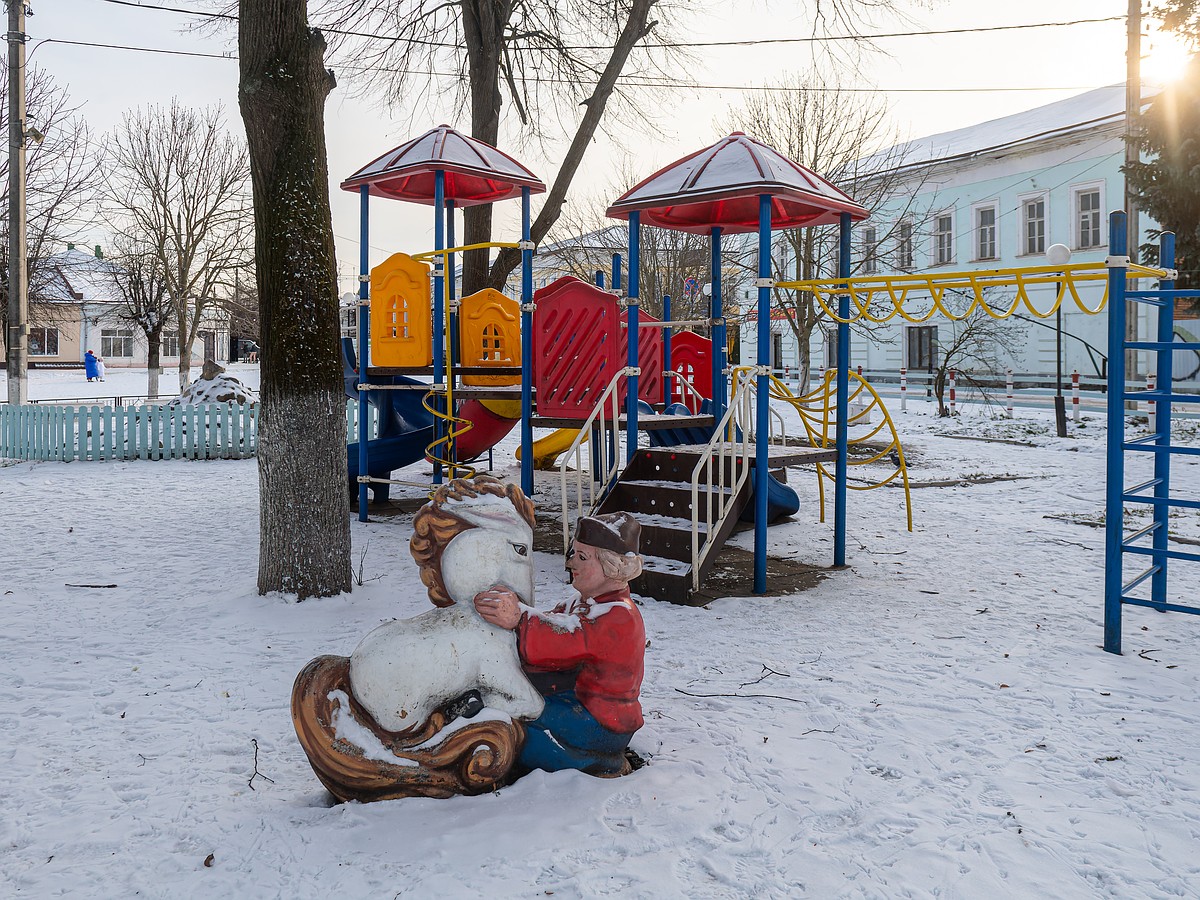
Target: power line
(631,82)
(662,45)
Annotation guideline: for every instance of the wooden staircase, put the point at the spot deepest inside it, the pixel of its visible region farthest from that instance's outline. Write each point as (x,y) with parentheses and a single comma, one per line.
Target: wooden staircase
(656,487)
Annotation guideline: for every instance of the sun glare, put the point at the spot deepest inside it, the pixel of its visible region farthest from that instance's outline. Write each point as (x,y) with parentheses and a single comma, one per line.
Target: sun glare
(1166,58)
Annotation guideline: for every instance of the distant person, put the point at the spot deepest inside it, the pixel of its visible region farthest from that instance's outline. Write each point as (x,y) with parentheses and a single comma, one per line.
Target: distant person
(252,354)
(100,367)
(91,366)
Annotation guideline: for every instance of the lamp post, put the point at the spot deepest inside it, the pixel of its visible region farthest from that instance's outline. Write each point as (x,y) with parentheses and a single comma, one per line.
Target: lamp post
(1059,255)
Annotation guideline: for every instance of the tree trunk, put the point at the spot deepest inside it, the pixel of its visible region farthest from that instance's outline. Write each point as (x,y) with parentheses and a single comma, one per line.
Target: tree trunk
(153,362)
(483,26)
(304,543)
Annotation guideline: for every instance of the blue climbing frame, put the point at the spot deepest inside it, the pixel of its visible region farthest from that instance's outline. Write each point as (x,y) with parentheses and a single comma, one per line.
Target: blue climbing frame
(1157,490)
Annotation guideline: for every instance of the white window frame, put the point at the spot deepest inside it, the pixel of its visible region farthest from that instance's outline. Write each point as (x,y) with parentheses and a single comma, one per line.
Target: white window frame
(167,340)
(1022,243)
(46,330)
(905,254)
(976,209)
(1076,232)
(870,250)
(935,246)
(108,335)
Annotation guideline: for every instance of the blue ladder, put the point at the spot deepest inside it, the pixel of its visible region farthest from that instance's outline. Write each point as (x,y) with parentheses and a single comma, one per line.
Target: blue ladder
(1157,490)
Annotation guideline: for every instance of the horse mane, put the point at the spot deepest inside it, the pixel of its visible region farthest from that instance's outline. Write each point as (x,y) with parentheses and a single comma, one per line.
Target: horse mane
(435,526)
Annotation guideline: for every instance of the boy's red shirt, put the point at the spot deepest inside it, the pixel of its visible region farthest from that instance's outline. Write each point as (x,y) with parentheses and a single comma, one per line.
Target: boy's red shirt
(604,639)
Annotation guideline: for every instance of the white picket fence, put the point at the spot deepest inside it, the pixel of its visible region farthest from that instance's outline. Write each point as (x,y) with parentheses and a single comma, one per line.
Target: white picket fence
(148,431)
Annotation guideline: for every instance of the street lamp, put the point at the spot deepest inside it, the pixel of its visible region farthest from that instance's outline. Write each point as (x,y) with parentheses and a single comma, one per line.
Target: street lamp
(1059,255)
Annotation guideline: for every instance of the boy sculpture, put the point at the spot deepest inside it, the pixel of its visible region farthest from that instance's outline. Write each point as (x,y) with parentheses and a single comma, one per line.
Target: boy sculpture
(586,655)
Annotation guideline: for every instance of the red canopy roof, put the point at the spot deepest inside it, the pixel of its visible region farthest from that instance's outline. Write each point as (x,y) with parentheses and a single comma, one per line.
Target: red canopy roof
(719,186)
(475,172)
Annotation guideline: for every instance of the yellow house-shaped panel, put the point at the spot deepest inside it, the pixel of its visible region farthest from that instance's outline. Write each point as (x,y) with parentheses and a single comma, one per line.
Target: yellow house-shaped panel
(401,323)
(489,327)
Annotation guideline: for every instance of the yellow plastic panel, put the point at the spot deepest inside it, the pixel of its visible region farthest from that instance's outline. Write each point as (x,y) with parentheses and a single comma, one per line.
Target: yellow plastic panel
(401,324)
(489,329)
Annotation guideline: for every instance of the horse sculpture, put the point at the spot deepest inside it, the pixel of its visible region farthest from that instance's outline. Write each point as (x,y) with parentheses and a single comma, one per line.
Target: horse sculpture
(431,706)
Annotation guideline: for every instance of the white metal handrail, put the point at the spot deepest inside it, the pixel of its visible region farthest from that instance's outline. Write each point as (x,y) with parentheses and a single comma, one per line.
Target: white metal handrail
(605,420)
(723,489)
(687,384)
(775,416)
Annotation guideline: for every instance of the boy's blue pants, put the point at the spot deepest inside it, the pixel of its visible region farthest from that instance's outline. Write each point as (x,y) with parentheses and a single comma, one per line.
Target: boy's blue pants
(567,736)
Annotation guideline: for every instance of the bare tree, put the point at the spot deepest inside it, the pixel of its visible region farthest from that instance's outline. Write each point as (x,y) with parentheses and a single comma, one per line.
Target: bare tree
(138,277)
(555,64)
(177,183)
(303,504)
(61,184)
(974,349)
(846,137)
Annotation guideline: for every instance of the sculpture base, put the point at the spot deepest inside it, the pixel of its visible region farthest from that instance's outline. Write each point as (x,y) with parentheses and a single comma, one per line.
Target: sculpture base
(469,758)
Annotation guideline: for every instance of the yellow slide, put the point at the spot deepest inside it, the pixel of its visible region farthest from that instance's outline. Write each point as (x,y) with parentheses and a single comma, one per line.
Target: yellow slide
(546,450)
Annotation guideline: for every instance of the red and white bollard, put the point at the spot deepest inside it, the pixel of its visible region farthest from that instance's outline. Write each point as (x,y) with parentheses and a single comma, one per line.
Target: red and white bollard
(903,389)
(1009,384)
(860,371)
(953,378)
(1151,406)
(1075,396)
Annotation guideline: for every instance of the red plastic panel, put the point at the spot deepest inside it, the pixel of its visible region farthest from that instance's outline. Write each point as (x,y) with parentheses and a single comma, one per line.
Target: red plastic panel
(691,355)
(650,358)
(575,349)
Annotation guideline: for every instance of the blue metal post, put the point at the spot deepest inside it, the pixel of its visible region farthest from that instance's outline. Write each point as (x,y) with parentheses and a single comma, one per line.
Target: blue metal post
(631,357)
(364,269)
(719,339)
(843,387)
(616,269)
(762,427)
(600,279)
(1115,476)
(439,312)
(1162,457)
(526,350)
(452,291)
(667,349)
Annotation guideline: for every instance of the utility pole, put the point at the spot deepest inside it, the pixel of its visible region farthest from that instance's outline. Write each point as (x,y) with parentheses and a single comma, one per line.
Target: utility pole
(17,339)
(1133,112)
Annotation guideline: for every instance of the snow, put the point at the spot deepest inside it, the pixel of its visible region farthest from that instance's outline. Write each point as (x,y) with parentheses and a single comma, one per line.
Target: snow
(935,720)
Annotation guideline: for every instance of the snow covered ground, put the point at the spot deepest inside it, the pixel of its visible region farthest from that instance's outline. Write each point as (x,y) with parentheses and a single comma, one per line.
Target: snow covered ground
(936,720)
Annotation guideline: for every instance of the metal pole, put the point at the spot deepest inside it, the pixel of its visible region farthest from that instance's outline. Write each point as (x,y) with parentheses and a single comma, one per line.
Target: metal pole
(1115,476)
(1060,404)
(1133,112)
(762,426)
(1162,436)
(616,269)
(667,380)
(439,312)
(17,340)
(719,332)
(631,357)
(843,388)
(364,337)
(526,350)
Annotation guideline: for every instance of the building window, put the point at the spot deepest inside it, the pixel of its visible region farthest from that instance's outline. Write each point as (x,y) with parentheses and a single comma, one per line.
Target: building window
(43,342)
(870,264)
(1087,219)
(943,239)
(1033,225)
(831,342)
(776,351)
(904,246)
(170,344)
(985,232)
(921,349)
(116,342)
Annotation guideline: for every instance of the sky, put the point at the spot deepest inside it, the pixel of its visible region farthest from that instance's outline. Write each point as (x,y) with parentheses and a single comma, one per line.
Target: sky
(1033,66)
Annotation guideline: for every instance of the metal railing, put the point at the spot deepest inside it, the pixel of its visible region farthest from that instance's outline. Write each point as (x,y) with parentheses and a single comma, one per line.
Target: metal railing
(730,448)
(594,472)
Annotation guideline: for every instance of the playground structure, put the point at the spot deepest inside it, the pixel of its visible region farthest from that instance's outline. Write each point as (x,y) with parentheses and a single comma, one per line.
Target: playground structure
(701,471)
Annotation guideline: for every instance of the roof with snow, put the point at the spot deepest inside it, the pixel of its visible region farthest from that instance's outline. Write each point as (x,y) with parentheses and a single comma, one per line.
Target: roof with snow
(475,172)
(719,187)
(1089,110)
(76,276)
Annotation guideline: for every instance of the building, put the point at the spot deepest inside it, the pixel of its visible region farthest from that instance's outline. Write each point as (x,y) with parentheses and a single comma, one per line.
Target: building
(77,308)
(998,195)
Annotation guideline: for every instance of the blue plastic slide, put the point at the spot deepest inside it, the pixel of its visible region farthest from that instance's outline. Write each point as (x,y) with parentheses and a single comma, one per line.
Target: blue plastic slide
(405,430)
